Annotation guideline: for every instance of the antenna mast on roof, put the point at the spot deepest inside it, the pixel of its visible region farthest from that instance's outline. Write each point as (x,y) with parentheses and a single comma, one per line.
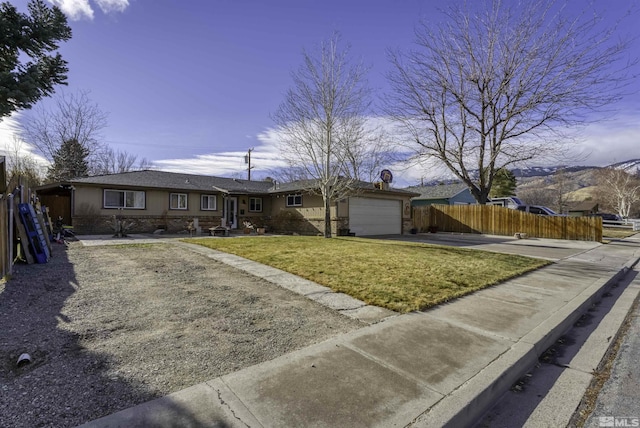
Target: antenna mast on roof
(247,160)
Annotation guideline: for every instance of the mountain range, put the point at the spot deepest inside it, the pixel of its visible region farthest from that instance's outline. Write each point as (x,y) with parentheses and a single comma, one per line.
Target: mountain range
(543,185)
(631,166)
(546,186)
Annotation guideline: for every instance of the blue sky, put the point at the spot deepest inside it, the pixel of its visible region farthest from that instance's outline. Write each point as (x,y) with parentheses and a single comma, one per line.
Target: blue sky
(190,85)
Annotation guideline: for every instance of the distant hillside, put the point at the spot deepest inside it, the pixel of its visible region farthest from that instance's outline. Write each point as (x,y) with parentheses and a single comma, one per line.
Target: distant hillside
(571,182)
(542,186)
(543,171)
(578,181)
(630,166)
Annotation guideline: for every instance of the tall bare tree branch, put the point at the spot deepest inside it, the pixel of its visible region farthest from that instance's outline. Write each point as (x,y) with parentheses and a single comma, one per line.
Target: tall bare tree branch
(111,161)
(324,133)
(22,167)
(73,118)
(487,90)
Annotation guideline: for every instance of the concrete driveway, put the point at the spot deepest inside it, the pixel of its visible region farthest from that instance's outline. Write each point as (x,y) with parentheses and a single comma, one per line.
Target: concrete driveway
(549,249)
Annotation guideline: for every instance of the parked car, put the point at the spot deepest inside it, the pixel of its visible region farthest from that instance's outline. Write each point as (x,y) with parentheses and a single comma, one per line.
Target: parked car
(608,216)
(537,209)
(507,201)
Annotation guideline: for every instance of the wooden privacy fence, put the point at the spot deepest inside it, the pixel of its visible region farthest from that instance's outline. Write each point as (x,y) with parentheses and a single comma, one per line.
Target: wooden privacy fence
(496,220)
(5,261)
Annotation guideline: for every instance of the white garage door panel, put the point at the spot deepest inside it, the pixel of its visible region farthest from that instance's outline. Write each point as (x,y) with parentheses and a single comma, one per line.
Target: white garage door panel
(375,216)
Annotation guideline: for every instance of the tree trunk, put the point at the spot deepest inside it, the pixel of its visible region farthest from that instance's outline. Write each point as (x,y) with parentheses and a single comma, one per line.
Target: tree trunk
(327,217)
(481,196)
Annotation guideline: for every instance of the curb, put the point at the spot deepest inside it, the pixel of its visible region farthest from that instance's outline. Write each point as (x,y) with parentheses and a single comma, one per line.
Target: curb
(467,404)
(560,405)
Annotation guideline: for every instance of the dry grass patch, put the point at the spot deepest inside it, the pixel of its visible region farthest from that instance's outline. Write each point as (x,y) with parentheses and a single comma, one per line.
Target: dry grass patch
(401,276)
(617,232)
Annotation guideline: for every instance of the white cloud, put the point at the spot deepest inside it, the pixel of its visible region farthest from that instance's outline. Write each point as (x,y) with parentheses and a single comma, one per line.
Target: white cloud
(10,141)
(263,160)
(110,6)
(9,126)
(412,173)
(616,140)
(600,144)
(74,9)
(82,9)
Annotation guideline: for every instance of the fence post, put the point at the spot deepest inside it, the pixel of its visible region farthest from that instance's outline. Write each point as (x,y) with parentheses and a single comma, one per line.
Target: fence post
(10,234)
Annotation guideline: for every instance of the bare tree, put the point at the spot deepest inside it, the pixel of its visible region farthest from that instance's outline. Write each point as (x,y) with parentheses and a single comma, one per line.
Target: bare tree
(22,167)
(487,90)
(325,136)
(620,190)
(111,161)
(536,196)
(561,189)
(73,118)
(288,174)
(367,155)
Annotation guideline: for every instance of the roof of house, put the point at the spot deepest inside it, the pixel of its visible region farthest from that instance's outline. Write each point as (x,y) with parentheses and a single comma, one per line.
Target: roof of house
(439,191)
(152,179)
(302,185)
(177,181)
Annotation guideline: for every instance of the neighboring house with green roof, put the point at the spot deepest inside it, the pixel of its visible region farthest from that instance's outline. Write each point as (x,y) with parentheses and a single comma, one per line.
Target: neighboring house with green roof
(446,194)
(152,200)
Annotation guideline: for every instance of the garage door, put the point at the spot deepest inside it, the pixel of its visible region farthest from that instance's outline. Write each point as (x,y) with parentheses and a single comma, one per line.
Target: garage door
(375,216)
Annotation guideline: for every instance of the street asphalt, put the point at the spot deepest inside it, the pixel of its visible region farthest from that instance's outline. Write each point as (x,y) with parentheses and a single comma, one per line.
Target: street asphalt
(442,367)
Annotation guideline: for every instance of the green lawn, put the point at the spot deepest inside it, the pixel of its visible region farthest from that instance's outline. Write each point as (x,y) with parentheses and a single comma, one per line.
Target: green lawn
(400,276)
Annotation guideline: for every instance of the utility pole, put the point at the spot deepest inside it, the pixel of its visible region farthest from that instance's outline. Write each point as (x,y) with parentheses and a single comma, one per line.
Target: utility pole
(247,160)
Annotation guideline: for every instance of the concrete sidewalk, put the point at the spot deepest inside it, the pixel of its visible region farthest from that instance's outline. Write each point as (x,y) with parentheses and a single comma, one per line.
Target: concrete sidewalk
(440,367)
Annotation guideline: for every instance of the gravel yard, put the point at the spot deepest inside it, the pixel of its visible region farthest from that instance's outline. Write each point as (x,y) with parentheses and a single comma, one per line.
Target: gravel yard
(109,327)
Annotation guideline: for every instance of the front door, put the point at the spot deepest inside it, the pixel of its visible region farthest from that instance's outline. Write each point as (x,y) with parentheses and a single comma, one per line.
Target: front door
(231,212)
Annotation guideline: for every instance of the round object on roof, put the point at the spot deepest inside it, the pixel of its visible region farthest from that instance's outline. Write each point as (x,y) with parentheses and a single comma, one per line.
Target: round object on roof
(386,176)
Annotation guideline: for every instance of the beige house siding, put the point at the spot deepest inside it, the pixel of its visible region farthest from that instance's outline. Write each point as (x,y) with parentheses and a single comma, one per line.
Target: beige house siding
(307,219)
(156,203)
(243,206)
(256,218)
(89,216)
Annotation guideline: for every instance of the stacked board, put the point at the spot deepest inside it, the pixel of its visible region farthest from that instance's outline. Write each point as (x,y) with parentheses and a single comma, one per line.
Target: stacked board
(36,240)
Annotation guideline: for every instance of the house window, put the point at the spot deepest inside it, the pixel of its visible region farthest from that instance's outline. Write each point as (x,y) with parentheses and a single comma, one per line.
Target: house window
(124,199)
(255,205)
(178,201)
(294,200)
(208,202)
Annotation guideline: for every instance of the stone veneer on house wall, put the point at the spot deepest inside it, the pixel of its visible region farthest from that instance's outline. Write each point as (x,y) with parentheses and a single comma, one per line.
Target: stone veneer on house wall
(101,225)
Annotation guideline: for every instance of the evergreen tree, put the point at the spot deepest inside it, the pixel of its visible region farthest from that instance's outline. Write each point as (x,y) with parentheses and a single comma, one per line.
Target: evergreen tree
(70,161)
(32,38)
(504,184)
